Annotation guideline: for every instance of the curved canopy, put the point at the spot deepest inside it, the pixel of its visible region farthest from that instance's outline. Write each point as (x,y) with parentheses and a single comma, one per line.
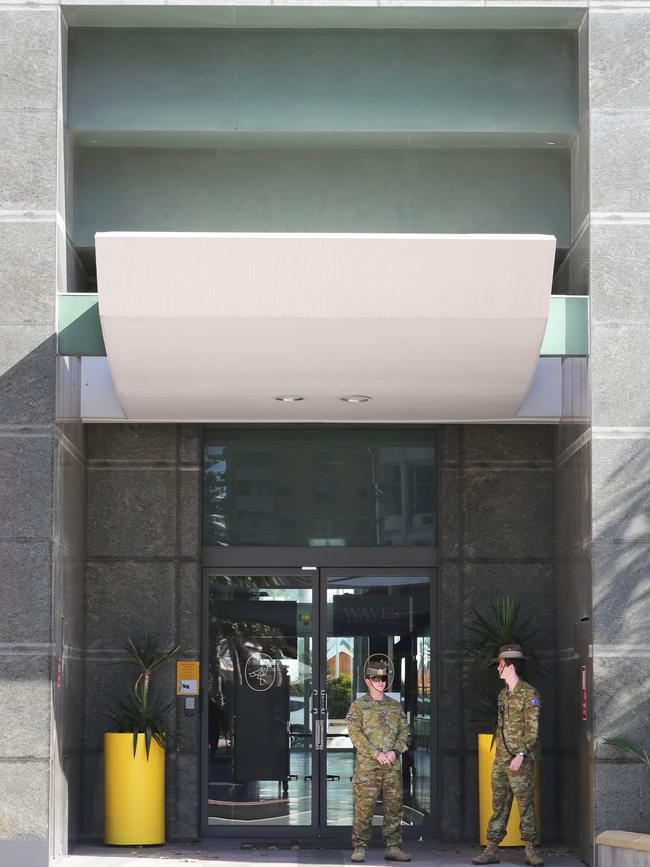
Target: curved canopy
(215,326)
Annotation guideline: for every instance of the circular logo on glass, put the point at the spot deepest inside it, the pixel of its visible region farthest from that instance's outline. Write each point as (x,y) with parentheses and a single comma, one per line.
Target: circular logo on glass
(260,672)
(382,661)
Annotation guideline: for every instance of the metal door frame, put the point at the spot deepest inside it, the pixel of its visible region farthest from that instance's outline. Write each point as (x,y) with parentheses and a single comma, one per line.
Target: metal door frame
(317,563)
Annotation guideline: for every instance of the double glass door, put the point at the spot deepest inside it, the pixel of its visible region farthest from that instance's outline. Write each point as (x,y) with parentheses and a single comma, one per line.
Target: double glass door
(285,652)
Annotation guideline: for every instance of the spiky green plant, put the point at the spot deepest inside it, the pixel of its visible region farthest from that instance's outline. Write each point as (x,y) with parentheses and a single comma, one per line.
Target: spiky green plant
(137,711)
(627,745)
(502,624)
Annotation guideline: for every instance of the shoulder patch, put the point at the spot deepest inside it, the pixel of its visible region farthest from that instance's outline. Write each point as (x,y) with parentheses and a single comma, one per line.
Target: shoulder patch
(534,702)
(348,715)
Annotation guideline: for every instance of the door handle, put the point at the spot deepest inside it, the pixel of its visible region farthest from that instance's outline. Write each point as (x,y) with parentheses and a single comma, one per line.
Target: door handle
(314,702)
(323,703)
(318,735)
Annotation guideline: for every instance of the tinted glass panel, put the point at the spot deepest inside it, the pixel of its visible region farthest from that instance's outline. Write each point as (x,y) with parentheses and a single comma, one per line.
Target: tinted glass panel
(360,488)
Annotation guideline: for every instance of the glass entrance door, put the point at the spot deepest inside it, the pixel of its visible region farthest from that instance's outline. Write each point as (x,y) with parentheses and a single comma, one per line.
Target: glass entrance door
(284,655)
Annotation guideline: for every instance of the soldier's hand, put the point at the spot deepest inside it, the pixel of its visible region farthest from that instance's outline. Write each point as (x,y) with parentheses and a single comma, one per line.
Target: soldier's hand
(515,764)
(391,756)
(383,759)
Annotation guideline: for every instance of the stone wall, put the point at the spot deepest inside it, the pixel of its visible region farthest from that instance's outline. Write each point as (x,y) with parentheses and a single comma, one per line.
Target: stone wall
(29,115)
(619,217)
(495,538)
(143,576)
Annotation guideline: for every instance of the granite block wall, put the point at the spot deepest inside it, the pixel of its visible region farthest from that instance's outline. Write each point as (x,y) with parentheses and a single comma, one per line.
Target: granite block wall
(495,538)
(143,576)
(29,117)
(619,192)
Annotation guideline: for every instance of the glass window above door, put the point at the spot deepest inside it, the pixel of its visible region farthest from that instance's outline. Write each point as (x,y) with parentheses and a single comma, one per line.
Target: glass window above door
(361,488)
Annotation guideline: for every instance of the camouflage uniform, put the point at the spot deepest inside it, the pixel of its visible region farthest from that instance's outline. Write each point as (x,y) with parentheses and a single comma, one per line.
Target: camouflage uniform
(377,727)
(517,732)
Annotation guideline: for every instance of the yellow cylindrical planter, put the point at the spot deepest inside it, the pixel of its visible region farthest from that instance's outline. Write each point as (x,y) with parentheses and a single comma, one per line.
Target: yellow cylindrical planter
(134,791)
(486,753)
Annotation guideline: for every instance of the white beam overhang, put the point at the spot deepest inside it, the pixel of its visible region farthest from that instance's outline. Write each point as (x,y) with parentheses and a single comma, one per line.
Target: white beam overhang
(213,326)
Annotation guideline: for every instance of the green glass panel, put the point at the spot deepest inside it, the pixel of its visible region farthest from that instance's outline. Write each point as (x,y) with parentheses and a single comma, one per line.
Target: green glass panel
(333,488)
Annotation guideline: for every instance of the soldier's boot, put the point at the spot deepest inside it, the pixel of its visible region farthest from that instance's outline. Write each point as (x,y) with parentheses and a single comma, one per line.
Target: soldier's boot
(490,855)
(359,854)
(394,853)
(532,856)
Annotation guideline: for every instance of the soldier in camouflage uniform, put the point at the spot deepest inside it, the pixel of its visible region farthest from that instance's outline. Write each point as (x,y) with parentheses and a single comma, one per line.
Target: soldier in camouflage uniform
(379,732)
(513,771)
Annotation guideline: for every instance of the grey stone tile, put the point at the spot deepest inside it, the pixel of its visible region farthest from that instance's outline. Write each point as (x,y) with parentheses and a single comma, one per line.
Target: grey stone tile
(620,274)
(619,61)
(508,513)
(450,513)
(26,492)
(450,806)
(573,595)
(622,796)
(580,177)
(27,367)
(71,733)
(186,796)
(132,442)
(573,502)
(620,703)
(70,499)
(25,693)
(451,614)
(72,768)
(620,490)
(131,513)
(128,599)
(449,439)
(92,811)
(28,59)
(190,512)
(504,443)
(621,587)
(189,594)
(620,180)
(26,591)
(451,710)
(572,277)
(27,271)
(189,444)
(620,384)
(28,165)
(70,574)
(24,807)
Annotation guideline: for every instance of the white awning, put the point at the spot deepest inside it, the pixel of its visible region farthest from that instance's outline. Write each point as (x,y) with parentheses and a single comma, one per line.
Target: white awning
(216,326)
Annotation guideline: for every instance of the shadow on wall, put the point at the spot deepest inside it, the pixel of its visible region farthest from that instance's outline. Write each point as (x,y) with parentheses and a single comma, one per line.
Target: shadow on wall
(621,628)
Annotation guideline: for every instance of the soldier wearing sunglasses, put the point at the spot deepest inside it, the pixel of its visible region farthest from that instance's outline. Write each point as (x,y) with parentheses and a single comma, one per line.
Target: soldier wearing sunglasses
(379,732)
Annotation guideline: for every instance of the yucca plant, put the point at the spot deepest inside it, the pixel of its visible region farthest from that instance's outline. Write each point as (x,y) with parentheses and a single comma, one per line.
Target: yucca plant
(502,624)
(137,711)
(627,745)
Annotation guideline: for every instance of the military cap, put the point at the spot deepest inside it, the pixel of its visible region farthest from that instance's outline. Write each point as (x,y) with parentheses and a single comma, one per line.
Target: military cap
(510,651)
(375,669)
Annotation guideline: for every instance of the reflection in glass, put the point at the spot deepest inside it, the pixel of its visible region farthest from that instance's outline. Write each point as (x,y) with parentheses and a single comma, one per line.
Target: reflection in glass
(259,690)
(364,488)
(387,618)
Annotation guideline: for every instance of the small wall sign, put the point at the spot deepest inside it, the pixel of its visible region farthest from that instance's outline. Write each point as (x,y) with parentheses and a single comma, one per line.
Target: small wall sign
(187,677)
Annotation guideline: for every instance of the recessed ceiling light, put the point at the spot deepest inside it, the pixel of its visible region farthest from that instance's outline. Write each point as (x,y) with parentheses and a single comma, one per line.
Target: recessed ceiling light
(355,398)
(288,398)
(551,142)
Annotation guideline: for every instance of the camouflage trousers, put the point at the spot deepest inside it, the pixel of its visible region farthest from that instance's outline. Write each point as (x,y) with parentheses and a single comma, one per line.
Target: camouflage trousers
(505,784)
(368,786)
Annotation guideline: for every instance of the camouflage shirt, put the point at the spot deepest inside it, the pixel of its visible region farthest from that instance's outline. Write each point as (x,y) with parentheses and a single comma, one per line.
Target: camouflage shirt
(518,721)
(377,727)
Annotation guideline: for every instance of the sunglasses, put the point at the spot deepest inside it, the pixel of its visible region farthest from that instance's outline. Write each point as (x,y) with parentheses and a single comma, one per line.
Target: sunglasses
(378,679)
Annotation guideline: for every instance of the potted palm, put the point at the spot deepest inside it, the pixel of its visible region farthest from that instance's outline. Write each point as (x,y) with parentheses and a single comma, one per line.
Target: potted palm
(134,755)
(503,623)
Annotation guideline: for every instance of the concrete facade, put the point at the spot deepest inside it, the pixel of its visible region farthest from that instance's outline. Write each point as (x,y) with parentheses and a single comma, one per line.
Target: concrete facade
(560,515)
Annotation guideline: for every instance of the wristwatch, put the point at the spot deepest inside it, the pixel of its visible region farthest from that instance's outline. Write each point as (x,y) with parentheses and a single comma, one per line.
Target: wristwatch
(523,755)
